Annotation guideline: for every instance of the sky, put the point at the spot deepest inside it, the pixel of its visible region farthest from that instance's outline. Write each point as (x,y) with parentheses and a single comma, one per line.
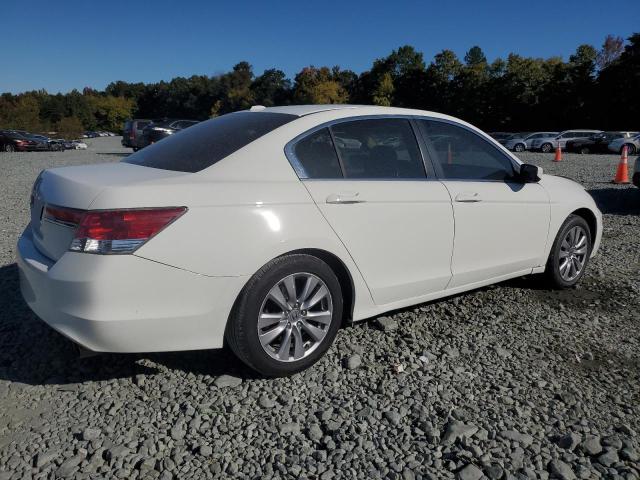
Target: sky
(58,46)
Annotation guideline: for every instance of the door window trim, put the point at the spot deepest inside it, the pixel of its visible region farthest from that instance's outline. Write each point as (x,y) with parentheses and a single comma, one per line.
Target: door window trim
(430,174)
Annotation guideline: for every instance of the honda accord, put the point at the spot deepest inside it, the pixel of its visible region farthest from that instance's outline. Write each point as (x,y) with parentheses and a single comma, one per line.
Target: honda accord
(271,227)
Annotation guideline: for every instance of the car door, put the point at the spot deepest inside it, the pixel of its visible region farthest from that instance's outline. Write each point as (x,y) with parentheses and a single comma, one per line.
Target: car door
(368,179)
(501,224)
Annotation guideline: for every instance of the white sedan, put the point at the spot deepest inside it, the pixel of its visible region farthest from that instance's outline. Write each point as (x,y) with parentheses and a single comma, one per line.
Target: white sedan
(271,227)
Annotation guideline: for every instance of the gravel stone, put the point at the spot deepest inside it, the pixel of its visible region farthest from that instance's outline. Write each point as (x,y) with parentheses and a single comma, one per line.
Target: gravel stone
(470,472)
(608,458)
(227,381)
(561,470)
(353,361)
(386,324)
(90,434)
(591,445)
(457,430)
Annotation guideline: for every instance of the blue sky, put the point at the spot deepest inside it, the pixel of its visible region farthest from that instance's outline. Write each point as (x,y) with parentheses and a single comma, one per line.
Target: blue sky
(59,46)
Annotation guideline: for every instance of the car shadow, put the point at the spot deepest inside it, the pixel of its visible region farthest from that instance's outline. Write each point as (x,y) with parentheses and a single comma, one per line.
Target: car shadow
(617,201)
(33,353)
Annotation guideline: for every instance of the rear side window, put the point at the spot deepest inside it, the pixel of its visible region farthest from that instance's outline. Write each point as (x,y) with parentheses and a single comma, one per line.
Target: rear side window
(378,148)
(200,146)
(141,125)
(317,156)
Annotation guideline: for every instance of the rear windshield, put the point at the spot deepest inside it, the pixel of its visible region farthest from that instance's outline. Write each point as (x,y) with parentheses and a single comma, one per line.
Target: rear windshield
(206,143)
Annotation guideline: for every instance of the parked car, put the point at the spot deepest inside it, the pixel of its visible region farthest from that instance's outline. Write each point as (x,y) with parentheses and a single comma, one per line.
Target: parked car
(256,227)
(78,145)
(500,135)
(519,142)
(159,129)
(633,145)
(597,143)
(12,141)
(547,144)
(636,173)
(132,133)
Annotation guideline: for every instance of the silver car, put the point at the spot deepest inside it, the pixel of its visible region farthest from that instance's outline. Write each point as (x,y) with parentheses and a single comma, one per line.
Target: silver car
(633,145)
(547,144)
(519,142)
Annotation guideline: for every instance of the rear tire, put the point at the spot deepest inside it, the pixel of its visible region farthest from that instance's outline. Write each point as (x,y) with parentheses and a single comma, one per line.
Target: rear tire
(276,334)
(519,147)
(585,150)
(546,147)
(631,149)
(572,245)
(9,148)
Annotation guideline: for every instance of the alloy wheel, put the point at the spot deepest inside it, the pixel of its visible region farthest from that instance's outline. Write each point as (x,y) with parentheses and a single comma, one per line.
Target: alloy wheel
(295,317)
(573,253)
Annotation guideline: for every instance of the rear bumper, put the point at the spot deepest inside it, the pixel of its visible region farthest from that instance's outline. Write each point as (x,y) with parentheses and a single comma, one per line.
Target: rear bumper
(636,179)
(124,303)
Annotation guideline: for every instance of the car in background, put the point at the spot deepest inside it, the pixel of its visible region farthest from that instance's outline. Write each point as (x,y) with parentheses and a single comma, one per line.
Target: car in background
(550,143)
(633,145)
(519,142)
(500,135)
(13,141)
(636,173)
(132,133)
(158,130)
(598,143)
(78,145)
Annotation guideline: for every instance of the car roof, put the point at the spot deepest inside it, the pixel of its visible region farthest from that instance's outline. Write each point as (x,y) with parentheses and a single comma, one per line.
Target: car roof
(302,110)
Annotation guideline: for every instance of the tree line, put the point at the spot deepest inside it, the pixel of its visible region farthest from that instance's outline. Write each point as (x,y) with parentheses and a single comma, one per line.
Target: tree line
(596,88)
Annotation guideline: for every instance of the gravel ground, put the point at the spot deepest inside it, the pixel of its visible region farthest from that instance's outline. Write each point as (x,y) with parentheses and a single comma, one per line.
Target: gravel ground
(510,381)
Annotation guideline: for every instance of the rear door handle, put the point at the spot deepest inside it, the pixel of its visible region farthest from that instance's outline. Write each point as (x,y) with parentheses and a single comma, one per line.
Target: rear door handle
(468,197)
(344,198)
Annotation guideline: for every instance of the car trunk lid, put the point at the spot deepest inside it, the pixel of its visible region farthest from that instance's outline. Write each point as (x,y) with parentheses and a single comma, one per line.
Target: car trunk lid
(76,188)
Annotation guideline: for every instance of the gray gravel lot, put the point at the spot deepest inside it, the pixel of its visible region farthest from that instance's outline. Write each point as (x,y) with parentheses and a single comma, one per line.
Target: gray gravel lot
(511,381)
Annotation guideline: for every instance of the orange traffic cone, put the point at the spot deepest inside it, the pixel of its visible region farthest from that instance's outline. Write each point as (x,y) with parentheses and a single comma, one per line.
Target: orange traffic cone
(622,174)
(558,157)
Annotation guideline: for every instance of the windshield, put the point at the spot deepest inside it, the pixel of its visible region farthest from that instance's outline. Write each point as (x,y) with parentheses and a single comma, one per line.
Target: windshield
(200,146)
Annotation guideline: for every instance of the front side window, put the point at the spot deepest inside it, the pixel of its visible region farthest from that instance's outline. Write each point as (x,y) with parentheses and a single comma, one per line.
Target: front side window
(384,148)
(463,154)
(198,147)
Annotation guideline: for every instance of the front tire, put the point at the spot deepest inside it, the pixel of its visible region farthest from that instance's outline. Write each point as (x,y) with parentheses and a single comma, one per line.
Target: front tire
(569,254)
(585,150)
(9,148)
(631,149)
(546,147)
(287,315)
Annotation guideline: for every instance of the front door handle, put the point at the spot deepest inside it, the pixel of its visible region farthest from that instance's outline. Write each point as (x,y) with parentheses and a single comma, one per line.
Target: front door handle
(468,197)
(344,198)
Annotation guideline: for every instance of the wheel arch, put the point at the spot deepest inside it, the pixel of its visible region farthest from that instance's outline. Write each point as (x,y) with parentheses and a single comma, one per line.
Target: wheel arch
(591,220)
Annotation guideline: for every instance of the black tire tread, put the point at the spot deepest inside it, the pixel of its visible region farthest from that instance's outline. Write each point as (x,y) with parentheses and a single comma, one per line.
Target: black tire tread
(551,274)
(235,333)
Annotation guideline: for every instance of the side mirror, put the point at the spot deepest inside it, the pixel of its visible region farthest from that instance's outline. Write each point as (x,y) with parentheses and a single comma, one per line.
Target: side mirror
(530,173)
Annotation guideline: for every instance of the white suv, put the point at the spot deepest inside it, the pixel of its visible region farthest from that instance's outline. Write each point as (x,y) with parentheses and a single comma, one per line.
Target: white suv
(547,144)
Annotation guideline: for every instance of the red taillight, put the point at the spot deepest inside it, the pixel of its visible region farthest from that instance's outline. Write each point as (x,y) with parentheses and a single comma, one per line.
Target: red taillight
(112,231)
(126,224)
(69,217)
